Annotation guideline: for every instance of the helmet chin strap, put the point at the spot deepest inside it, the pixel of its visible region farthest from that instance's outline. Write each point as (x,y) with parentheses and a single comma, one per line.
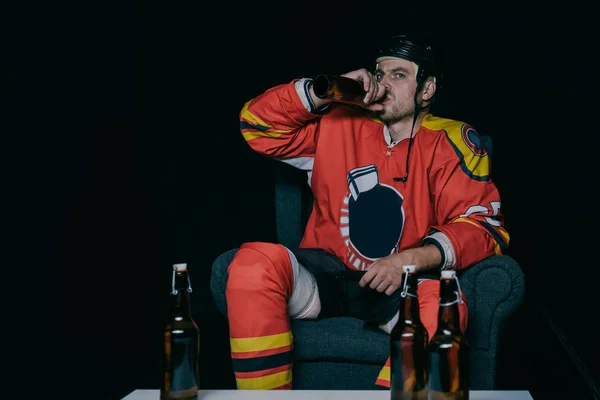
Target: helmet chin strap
(412,132)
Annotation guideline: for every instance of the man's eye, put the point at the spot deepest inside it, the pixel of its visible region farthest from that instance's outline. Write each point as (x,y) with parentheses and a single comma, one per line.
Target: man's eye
(399,75)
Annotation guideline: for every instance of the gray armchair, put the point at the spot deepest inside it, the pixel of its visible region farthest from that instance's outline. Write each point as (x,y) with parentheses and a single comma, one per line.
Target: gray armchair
(338,353)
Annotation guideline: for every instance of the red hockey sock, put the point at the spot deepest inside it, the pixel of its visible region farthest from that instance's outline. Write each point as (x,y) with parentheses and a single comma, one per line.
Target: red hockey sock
(259,285)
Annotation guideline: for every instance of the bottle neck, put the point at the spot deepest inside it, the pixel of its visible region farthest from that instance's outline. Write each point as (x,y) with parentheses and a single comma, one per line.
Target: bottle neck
(181,296)
(448,317)
(409,305)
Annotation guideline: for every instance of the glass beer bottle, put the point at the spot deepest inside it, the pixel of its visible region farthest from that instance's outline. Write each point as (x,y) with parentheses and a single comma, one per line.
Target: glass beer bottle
(448,362)
(181,342)
(339,88)
(409,341)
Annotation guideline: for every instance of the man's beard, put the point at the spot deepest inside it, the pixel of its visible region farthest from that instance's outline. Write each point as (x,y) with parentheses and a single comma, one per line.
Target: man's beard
(396,114)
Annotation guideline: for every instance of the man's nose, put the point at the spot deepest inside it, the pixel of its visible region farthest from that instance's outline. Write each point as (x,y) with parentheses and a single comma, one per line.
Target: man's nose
(385,82)
(386,85)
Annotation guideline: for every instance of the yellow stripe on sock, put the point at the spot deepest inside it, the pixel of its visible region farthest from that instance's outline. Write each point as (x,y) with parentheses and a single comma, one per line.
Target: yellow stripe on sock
(265,382)
(241,345)
(384,374)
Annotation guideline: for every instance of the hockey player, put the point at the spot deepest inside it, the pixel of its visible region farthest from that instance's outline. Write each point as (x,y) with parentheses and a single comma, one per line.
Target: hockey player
(393,185)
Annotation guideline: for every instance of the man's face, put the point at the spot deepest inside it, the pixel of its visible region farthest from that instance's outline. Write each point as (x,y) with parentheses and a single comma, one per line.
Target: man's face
(398,76)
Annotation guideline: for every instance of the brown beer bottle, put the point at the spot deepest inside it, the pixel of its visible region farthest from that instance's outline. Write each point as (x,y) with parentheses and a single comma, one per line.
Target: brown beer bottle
(339,88)
(448,362)
(181,342)
(409,341)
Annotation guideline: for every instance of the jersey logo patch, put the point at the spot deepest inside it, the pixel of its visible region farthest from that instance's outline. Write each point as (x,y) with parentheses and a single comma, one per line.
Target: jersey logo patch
(371,219)
(472,140)
(471,152)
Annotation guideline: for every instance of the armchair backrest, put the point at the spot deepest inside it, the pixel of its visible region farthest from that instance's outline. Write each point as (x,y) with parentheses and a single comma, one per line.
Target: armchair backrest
(293,200)
(293,204)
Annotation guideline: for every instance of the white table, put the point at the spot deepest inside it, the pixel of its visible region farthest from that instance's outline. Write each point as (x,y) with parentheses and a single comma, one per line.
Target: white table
(154,394)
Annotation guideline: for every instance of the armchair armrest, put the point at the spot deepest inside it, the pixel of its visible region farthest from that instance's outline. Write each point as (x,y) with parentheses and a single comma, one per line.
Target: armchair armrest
(494,289)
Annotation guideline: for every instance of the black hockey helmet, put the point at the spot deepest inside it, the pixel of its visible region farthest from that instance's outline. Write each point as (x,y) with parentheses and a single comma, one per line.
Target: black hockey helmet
(419,50)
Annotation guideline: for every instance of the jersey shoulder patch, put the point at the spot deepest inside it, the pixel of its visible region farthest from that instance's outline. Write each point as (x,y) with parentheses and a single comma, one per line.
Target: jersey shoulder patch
(467,144)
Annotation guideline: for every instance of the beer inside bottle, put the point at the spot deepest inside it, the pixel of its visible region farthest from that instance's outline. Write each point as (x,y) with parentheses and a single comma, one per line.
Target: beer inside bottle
(181,343)
(448,362)
(409,341)
(339,88)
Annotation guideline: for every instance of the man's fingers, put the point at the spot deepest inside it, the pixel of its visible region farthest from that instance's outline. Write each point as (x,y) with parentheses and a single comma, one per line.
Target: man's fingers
(383,286)
(371,272)
(391,289)
(375,107)
(373,87)
(376,94)
(368,86)
(376,281)
(373,91)
(380,92)
(366,278)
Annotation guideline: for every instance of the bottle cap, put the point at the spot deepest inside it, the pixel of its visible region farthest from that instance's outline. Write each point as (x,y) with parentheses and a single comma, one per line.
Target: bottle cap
(180,267)
(448,274)
(409,268)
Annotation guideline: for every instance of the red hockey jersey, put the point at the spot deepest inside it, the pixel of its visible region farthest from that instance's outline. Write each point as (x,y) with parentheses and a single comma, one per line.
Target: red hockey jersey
(360,212)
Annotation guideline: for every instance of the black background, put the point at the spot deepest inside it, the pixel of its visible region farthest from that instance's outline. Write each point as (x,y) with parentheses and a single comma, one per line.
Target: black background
(123,156)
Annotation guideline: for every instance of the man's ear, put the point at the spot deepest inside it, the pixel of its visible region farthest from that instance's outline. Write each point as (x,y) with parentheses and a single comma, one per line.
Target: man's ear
(429,89)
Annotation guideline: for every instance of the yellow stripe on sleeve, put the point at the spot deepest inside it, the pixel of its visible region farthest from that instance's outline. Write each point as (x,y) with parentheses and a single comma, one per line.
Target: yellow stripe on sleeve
(504,234)
(256,134)
(254,127)
(468,221)
(251,118)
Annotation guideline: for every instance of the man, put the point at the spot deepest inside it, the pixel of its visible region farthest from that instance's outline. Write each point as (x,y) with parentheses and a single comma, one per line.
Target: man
(393,186)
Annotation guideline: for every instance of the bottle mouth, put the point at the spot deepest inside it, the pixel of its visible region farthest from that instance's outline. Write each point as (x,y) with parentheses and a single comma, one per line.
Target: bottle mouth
(321,86)
(180,267)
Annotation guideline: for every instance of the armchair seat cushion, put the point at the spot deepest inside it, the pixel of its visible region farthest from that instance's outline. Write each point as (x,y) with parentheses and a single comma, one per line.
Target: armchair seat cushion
(339,340)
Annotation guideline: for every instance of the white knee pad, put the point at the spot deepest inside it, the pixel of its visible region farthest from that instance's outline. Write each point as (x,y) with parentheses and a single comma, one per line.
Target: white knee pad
(304,303)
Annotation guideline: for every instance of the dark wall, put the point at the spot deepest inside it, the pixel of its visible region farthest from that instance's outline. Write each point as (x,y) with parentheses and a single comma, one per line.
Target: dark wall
(130,158)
